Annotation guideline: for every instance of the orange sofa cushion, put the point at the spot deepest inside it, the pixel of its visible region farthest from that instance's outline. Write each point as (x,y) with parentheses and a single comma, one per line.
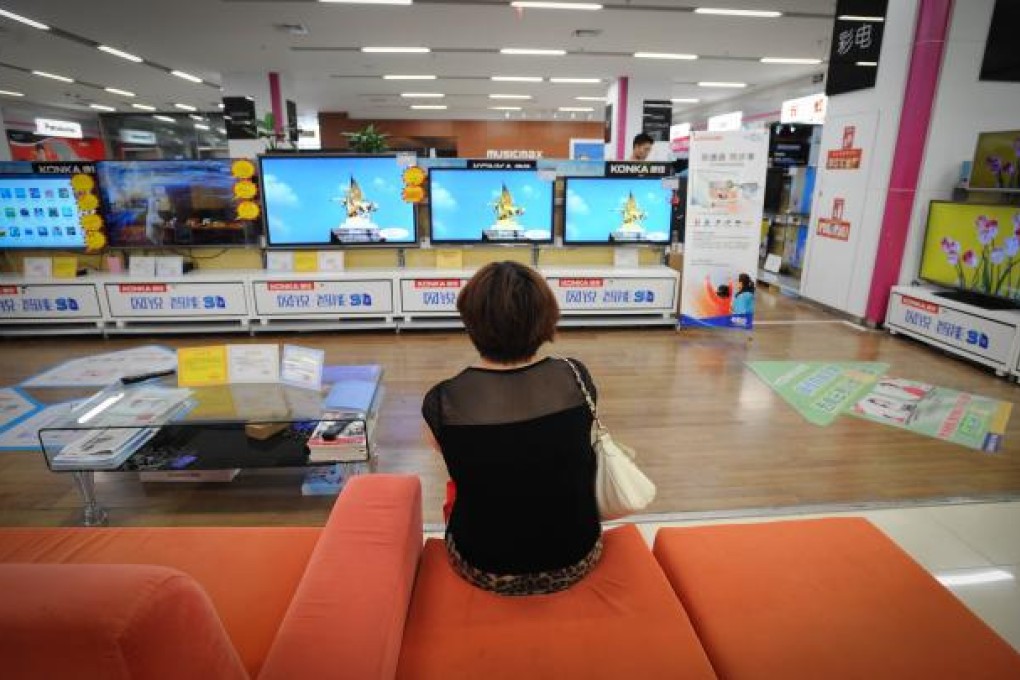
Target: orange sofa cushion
(347,617)
(109,623)
(250,574)
(831,598)
(622,621)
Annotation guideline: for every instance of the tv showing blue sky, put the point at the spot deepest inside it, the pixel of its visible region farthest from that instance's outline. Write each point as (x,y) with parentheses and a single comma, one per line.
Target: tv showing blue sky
(595,209)
(39,211)
(305,201)
(464,205)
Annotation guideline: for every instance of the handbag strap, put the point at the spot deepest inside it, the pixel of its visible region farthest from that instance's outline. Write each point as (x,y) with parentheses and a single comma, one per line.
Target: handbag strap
(587,394)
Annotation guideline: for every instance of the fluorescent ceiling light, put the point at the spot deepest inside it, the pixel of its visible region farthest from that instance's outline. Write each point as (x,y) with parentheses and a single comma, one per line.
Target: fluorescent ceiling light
(504,108)
(857,17)
(789,60)
(409,77)
(123,93)
(429,107)
(221,106)
(760,14)
(186,76)
(11,93)
(144,107)
(396,50)
(53,76)
(528,4)
(528,51)
(119,53)
(509,96)
(24,20)
(867,63)
(517,79)
(193,116)
(165,119)
(576,109)
(199,126)
(367,2)
(422,95)
(590,99)
(575,81)
(101,107)
(665,55)
(973,577)
(713,83)
(685,100)
(222,131)
(185,107)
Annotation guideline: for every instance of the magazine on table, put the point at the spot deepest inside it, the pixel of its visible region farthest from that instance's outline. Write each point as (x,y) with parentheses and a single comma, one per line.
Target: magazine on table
(105,449)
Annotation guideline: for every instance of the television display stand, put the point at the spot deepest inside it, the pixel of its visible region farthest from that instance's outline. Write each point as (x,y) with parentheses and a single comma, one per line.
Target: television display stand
(978,300)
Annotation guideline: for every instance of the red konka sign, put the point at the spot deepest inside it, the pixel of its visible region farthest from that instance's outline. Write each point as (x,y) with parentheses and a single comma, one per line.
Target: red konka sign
(291,285)
(923,305)
(581,283)
(8,290)
(142,287)
(437,283)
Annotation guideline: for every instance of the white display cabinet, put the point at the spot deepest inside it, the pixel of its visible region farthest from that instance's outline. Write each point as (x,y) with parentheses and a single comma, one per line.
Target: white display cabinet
(289,301)
(990,337)
(612,296)
(427,298)
(37,307)
(197,302)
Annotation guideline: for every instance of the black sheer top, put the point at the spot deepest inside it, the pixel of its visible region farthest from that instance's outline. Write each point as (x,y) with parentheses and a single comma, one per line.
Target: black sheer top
(517,444)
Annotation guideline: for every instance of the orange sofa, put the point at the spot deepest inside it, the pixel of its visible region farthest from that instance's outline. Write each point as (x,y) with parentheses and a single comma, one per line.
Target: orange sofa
(363,598)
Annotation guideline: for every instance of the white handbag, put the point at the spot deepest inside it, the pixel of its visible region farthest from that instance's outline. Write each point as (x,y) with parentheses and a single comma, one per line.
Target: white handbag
(621,488)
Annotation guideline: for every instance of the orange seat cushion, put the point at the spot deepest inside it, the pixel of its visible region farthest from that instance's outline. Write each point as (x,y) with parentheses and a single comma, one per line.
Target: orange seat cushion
(831,598)
(250,574)
(622,621)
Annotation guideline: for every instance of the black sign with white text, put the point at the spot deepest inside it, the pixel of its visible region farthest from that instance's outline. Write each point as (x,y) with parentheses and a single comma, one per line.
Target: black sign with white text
(478,164)
(856,45)
(638,169)
(657,116)
(67,168)
(239,118)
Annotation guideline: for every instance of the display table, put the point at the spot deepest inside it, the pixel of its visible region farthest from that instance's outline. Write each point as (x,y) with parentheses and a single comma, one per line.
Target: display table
(989,337)
(218,428)
(255,300)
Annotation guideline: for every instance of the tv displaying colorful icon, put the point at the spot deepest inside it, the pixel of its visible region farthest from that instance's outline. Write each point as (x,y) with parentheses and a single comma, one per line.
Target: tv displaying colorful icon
(335,200)
(148,204)
(974,247)
(39,211)
(601,210)
(494,206)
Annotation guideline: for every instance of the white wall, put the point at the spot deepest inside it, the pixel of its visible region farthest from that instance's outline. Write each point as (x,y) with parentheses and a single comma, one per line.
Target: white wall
(839,275)
(5,148)
(964,106)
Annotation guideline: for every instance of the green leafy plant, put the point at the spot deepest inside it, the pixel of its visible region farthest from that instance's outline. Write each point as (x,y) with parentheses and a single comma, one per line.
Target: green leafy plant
(267,131)
(367,140)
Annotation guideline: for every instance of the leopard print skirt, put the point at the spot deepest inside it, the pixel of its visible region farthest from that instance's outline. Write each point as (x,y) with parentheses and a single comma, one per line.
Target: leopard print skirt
(539,583)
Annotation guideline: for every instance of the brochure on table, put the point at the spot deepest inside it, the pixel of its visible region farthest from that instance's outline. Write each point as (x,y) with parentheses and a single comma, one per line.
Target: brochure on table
(15,405)
(24,434)
(725,199)
(101,370)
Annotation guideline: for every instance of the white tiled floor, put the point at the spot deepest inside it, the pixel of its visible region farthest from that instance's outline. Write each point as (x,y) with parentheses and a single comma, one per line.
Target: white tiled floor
(977,541)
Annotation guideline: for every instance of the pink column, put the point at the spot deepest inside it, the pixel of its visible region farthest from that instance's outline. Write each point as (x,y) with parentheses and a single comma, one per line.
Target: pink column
(276,102)
(623,85)
(933,17)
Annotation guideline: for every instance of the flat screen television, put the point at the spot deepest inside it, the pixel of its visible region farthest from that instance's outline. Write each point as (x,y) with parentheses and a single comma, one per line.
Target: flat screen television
(322,200)
(996,161)
(490,206)
(609,210)
(172,203)
(39,211)
(973,247)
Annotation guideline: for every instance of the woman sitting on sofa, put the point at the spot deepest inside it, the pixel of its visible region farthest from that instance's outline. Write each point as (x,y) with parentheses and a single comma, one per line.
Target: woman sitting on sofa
(515,432)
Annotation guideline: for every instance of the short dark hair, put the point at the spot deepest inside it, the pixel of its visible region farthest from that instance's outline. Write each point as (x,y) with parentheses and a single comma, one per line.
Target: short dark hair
(642,138)
(509,311)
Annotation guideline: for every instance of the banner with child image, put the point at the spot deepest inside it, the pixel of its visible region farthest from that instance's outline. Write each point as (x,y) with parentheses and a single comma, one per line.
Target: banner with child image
(725,198)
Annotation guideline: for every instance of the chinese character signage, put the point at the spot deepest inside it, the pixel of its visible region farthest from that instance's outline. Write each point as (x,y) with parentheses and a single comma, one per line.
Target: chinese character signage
(834,226)
(856,45)
(725,197)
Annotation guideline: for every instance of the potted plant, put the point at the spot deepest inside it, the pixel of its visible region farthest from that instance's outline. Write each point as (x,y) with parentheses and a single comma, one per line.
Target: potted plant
(367,140)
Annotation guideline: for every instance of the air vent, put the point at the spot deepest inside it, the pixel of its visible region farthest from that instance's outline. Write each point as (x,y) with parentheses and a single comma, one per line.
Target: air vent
(587,33)
(293,29)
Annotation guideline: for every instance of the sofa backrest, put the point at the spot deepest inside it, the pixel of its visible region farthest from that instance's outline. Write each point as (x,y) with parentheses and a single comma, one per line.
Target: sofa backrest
(111,622)
(347,617)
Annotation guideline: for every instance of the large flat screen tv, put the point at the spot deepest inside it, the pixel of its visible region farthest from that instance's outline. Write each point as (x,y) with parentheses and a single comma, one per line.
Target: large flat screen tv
(182,203)
(490,206)
(996,161)
(39,211)
(609,210)
(973,247)
(317,201)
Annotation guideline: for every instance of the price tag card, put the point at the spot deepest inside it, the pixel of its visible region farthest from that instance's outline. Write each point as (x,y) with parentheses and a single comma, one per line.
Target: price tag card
(38,267)
(331,260)
(65,267)
(449,258)
(140,265)
(277,261)
(306,261)
(302,367)
(202,366)
(253,363)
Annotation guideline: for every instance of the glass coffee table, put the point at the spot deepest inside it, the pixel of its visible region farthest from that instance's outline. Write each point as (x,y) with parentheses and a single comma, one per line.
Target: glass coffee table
(157,428)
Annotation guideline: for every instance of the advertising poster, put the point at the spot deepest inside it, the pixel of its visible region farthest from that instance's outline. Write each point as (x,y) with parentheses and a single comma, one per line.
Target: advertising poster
(966,419)
(819,391)
(726,194)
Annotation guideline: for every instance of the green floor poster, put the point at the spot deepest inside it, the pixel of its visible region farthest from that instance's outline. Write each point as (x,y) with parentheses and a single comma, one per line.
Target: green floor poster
(820,391)
(966,419)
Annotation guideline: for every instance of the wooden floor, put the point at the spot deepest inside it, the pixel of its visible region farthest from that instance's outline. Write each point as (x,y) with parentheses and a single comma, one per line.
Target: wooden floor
(708,432)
